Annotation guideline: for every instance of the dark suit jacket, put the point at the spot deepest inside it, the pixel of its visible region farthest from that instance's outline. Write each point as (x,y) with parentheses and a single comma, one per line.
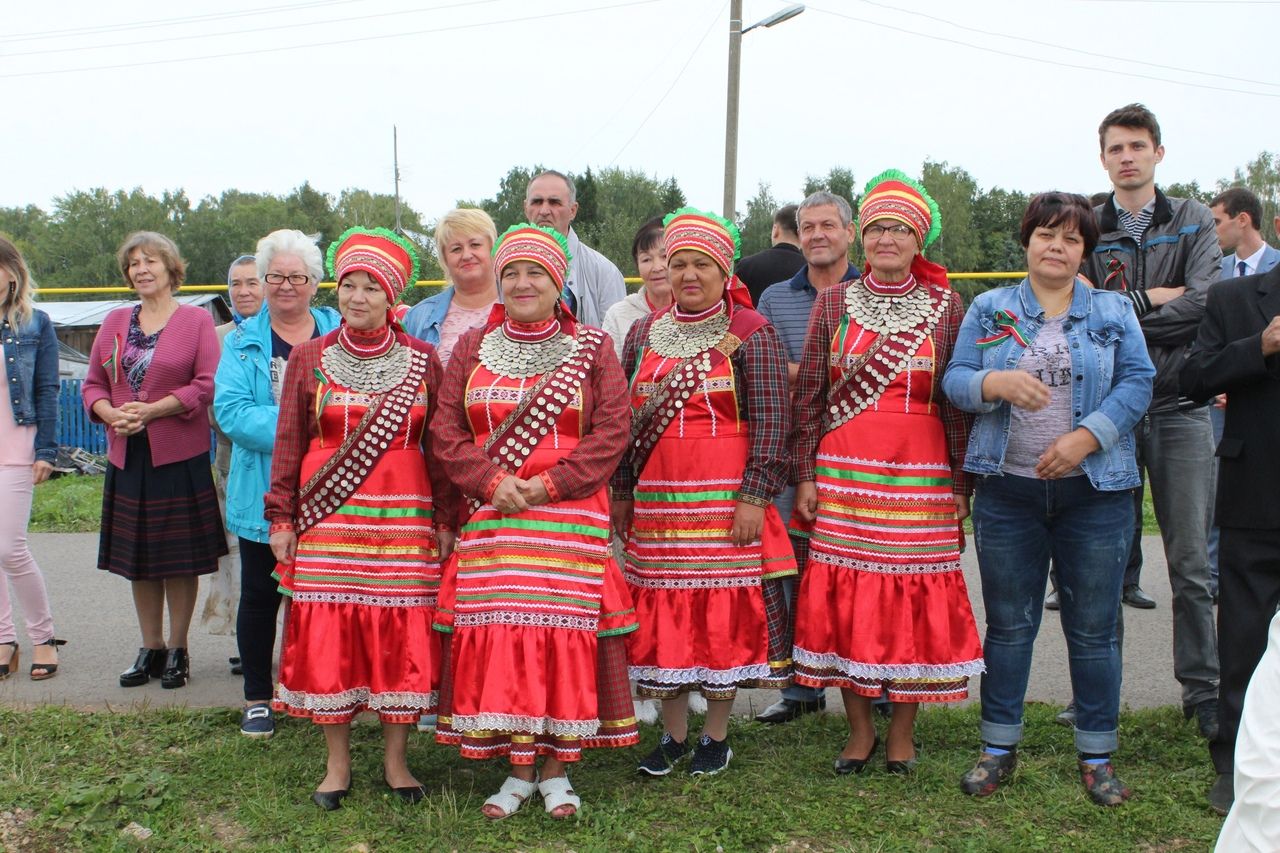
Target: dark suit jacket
(1227,358)
(775,264)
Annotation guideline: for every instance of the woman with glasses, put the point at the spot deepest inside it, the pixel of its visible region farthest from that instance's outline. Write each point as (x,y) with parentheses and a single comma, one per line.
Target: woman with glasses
(150,382)
(883,609)
(246,404)
(1058,375)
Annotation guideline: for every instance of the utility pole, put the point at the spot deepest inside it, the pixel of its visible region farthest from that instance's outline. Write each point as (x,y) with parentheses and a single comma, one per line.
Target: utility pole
(731,110)
(395,161)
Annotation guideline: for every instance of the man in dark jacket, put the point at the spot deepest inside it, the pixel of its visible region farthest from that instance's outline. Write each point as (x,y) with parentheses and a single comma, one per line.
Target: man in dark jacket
(1237,352)
(1163,253)
(777,263)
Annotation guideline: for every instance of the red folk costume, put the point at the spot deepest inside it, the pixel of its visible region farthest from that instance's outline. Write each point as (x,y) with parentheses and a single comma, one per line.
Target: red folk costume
(883,604)
(533,604)
(709,425)
(354,475)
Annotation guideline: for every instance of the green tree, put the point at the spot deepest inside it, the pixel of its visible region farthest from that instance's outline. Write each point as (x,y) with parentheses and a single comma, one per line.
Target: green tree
(672,196)
(838,181)
(507,207)
(757,226)
(588,216)
(997,218)
(88,226)
(958,248)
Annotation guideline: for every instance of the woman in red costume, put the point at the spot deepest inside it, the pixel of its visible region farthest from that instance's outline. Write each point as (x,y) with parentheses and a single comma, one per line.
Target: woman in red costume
(883,607)
(533,421)
(693,496)
(360,517)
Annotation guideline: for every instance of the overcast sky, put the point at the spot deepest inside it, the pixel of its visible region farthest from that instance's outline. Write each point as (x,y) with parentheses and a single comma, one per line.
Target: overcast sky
(209,96)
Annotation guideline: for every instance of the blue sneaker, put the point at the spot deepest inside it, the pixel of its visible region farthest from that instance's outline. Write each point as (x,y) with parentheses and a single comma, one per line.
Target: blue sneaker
(257,721)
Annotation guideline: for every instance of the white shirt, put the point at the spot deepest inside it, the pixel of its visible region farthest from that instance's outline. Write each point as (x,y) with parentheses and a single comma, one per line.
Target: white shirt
(1250,263)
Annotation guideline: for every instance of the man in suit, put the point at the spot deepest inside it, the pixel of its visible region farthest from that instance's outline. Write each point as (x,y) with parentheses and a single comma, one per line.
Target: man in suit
(1237,217)
(1237,352)
(780,261)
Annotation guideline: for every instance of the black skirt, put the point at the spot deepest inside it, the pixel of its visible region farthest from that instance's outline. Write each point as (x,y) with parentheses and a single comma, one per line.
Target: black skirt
(159,522)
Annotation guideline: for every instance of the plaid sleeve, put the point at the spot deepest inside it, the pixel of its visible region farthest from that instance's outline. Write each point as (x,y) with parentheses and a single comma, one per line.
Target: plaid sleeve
(446,501)
(810,395)
(294,430)
(474,473)
(761,368)
(623,481)
(956,424)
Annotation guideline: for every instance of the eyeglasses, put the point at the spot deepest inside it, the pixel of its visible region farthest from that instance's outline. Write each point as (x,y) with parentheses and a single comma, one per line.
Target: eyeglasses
(875,232)
(297,279)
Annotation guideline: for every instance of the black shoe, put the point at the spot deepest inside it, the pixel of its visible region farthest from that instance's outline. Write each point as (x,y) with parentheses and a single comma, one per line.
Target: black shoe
(149,665)
(786,710)
(1206,714)
(1222,794)
(330,801)
(177,669)
(989,774)
(1135,597)
(1051,601)
(901,768)
(1067,716)
(845,766)
(236,667)
(710,756)
(411,794)
(664,757)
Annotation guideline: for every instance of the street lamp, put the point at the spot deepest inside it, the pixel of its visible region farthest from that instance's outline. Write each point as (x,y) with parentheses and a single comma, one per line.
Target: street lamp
(731,111)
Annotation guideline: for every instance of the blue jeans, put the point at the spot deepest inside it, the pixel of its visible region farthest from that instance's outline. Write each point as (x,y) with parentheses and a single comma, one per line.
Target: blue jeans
(1020,524)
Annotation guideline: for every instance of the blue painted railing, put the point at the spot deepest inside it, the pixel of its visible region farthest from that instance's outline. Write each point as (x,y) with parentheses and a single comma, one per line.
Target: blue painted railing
(74,427)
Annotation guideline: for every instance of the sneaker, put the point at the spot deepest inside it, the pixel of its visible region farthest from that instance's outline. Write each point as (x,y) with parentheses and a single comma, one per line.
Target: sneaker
(663,759)
(1067,716)
(257,721)
(989,773)
(710,756)
(427,723)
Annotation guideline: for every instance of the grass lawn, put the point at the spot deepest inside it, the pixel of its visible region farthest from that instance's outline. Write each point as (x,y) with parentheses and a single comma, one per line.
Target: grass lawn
(71,780)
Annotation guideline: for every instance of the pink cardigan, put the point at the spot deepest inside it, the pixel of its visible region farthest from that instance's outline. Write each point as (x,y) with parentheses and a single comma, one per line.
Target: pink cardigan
(183,365)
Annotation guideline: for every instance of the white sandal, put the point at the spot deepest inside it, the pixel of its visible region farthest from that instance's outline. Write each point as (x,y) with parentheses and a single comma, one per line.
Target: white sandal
(510,797)
(556,793)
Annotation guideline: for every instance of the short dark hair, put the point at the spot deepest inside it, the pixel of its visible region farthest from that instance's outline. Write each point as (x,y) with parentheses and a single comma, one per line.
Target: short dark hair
(785,219)
(1238,200)
(649,235)
(1051,209)
(1133,116)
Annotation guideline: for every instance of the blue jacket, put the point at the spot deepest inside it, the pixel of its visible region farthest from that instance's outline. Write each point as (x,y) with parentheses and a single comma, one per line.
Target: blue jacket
(31,362)
(1109,360)
(246,412)
(425,319)
(1270,257)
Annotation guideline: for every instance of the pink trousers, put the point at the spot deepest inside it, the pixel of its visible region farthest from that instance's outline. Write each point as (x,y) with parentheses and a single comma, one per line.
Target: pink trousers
(16,562)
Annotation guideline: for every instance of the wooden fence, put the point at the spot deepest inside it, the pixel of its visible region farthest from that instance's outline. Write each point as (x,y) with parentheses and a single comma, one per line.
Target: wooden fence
(74,427)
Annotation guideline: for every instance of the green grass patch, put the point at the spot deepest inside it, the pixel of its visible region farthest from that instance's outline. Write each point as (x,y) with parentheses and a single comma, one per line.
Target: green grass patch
(68,504)
(73,780)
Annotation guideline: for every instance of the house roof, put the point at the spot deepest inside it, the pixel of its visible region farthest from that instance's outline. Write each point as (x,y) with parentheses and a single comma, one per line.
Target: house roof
(93,313)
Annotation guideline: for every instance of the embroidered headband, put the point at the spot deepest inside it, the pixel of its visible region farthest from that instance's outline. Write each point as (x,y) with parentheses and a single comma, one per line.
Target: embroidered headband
(545,247)
(894,195)
(714,236)
(389,258)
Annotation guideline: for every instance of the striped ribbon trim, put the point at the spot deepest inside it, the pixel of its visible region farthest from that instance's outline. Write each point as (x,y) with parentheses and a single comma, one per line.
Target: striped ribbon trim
(1009,325)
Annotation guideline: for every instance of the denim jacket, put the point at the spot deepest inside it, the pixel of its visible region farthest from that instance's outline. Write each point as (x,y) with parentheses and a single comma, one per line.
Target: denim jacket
(246,412)
(31,362)
(425,319)
(1109,362)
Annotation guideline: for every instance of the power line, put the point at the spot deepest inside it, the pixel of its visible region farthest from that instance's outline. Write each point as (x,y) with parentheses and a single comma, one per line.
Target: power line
(1107,56)
(679,74)
(339,42)
(168,22)
(289,26)
(1039,59)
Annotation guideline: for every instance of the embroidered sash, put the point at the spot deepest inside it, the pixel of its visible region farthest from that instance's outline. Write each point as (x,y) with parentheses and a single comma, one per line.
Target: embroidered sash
(511,442)
(663,406)
(862,383)
(349,466)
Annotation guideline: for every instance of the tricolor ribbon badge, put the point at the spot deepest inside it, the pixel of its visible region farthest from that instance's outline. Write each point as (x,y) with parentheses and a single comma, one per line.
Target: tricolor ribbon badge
(1115,269)
(112,363)
(1007,323)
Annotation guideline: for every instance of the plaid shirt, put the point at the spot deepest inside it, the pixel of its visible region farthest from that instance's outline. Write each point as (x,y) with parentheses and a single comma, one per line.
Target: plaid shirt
(813,383)
(580,473)
(760,377)
(296,426)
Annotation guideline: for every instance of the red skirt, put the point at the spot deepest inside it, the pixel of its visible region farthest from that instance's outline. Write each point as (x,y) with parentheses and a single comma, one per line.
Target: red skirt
(883,606)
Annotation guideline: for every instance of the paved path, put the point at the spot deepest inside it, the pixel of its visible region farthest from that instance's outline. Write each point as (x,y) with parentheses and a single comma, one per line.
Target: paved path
(94,611)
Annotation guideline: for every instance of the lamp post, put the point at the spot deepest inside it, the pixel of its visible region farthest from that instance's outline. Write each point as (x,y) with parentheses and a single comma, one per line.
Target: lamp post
(736,32)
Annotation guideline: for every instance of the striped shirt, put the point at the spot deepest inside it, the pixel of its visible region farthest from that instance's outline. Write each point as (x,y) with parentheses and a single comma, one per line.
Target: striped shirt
(1136,224)
(787,306)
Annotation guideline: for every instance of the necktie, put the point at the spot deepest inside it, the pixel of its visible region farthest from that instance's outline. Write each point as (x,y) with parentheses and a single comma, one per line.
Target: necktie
(1241,269)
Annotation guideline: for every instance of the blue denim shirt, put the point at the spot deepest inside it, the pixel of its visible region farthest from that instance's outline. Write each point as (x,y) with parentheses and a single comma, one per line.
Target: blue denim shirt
(1109,362)
(425,319)
(31,362)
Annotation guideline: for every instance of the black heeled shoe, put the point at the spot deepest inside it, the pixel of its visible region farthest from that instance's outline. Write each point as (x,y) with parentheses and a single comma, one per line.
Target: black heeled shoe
(845,766)
(904,767)
(331,801)
(411,794)
(8,669)
(177,669)
(50,669)
(149,665)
